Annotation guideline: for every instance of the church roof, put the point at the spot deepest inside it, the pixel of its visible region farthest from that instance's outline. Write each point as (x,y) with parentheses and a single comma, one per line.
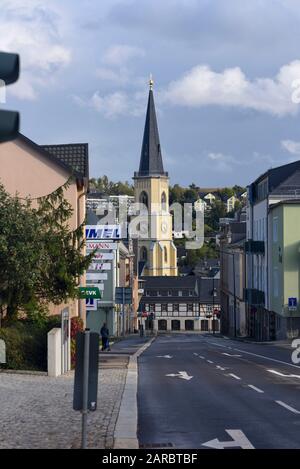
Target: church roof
(151,163)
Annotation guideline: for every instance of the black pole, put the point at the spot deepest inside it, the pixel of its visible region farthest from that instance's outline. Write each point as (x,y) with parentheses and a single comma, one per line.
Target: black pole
(234,294)
(213,315)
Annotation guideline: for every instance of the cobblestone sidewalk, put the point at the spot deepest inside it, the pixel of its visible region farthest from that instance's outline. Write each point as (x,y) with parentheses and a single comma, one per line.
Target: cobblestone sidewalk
(36,411)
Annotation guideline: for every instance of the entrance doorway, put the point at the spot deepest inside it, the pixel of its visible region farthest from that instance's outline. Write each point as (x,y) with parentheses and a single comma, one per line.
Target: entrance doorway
(175,325)
(189,325)
(162,324)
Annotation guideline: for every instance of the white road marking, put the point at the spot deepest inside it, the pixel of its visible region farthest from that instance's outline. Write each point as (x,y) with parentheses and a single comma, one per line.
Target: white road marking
(282,374)
(267,358)
(234,376)
(164,356)
(283,404)
(255,388)
(181,374)
(230,354)
(195,354)
(209,361)
(257,355)
(239,440)
(220,368)
(200,356)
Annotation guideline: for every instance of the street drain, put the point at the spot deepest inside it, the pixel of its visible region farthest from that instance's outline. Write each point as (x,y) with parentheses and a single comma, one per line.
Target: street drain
(156,445)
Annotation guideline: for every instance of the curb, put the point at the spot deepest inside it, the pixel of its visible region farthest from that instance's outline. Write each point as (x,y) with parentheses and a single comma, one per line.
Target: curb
(24,372)
(125,434)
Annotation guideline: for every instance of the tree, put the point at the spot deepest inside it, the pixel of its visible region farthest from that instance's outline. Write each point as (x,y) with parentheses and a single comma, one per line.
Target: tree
(40,256)
(217,211)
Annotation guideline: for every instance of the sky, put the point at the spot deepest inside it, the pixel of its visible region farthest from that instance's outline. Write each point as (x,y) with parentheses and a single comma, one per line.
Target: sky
(226,82)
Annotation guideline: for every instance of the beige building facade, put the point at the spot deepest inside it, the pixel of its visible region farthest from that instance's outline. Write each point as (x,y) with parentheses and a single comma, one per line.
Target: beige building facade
(28,170)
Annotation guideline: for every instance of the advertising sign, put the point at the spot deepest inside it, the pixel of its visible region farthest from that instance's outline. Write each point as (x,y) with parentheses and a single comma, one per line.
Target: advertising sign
(102,232)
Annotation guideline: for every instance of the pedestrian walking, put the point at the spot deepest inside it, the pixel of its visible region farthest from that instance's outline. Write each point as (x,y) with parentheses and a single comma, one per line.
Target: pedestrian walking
(105,337)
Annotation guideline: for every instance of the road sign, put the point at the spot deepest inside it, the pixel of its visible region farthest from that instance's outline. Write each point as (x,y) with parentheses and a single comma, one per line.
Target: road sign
(127,298)
(292,302)
(91,245)
(96,276)
(100,266)
(89,292)
(103,256)
(102,232)
(91,304)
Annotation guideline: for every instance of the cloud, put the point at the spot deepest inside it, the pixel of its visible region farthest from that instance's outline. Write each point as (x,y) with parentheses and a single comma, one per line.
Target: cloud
(291,146)
(202,86)
(222,162)
(32,28)
(114,105)
(120,54)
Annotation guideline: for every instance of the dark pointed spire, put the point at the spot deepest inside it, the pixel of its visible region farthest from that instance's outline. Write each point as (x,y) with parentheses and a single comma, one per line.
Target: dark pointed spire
(151,160)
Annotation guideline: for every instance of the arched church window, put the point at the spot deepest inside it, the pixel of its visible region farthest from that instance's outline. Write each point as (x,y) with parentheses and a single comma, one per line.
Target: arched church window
(143,253)
(164,201)
(165,254)
(144,198)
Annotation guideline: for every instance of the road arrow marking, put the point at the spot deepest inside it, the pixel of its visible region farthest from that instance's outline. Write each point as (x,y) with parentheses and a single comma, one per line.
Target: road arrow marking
(230,355)
(181,374)
(239,440)
(283,375)
(164,356)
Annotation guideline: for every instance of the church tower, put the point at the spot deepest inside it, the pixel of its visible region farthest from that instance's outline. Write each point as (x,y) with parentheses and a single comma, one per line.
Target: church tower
(157,254)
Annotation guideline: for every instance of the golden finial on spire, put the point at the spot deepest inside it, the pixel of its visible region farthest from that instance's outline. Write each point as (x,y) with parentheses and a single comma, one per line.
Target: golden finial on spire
(151,82)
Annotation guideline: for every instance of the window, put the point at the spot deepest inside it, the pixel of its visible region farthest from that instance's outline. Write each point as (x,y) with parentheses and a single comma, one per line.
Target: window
(143,253)
(169,292)
(144,198)
(151,308)
(191,293)
(179,293)
(165,254)
(190,307)
(275,229)
(147,292)
(164,201)
(175,307)
(164,308)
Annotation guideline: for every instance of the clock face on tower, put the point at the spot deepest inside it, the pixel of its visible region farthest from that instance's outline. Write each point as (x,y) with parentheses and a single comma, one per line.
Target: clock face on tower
(164,227)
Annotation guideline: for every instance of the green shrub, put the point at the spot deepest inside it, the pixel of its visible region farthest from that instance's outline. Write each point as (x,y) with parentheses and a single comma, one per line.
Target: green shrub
(26,343)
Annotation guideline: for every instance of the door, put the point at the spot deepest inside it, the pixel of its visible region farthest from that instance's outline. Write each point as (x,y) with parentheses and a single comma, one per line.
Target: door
(175,324)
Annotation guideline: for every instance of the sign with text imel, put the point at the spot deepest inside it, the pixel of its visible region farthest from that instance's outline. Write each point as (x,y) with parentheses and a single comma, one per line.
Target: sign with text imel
(99,232)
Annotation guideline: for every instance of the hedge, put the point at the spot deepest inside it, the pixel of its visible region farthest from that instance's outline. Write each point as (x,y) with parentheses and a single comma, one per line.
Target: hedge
(26,344)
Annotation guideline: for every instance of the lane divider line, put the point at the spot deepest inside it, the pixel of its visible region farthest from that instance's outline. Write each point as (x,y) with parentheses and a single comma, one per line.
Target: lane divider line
(234,376)
(286,406)
(255,388)
(209,361)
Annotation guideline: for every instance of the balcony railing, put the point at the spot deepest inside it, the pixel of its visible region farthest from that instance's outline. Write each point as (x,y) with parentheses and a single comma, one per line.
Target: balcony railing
(254,297)
(254,247)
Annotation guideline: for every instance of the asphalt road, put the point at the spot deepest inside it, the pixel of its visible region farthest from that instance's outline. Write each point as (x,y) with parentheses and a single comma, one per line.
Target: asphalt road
(247,395)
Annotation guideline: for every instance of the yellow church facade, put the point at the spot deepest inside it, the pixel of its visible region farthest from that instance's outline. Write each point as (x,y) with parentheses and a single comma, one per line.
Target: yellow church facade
(157,254)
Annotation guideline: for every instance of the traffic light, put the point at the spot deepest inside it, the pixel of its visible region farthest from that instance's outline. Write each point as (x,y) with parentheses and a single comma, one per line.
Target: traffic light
(9,73)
